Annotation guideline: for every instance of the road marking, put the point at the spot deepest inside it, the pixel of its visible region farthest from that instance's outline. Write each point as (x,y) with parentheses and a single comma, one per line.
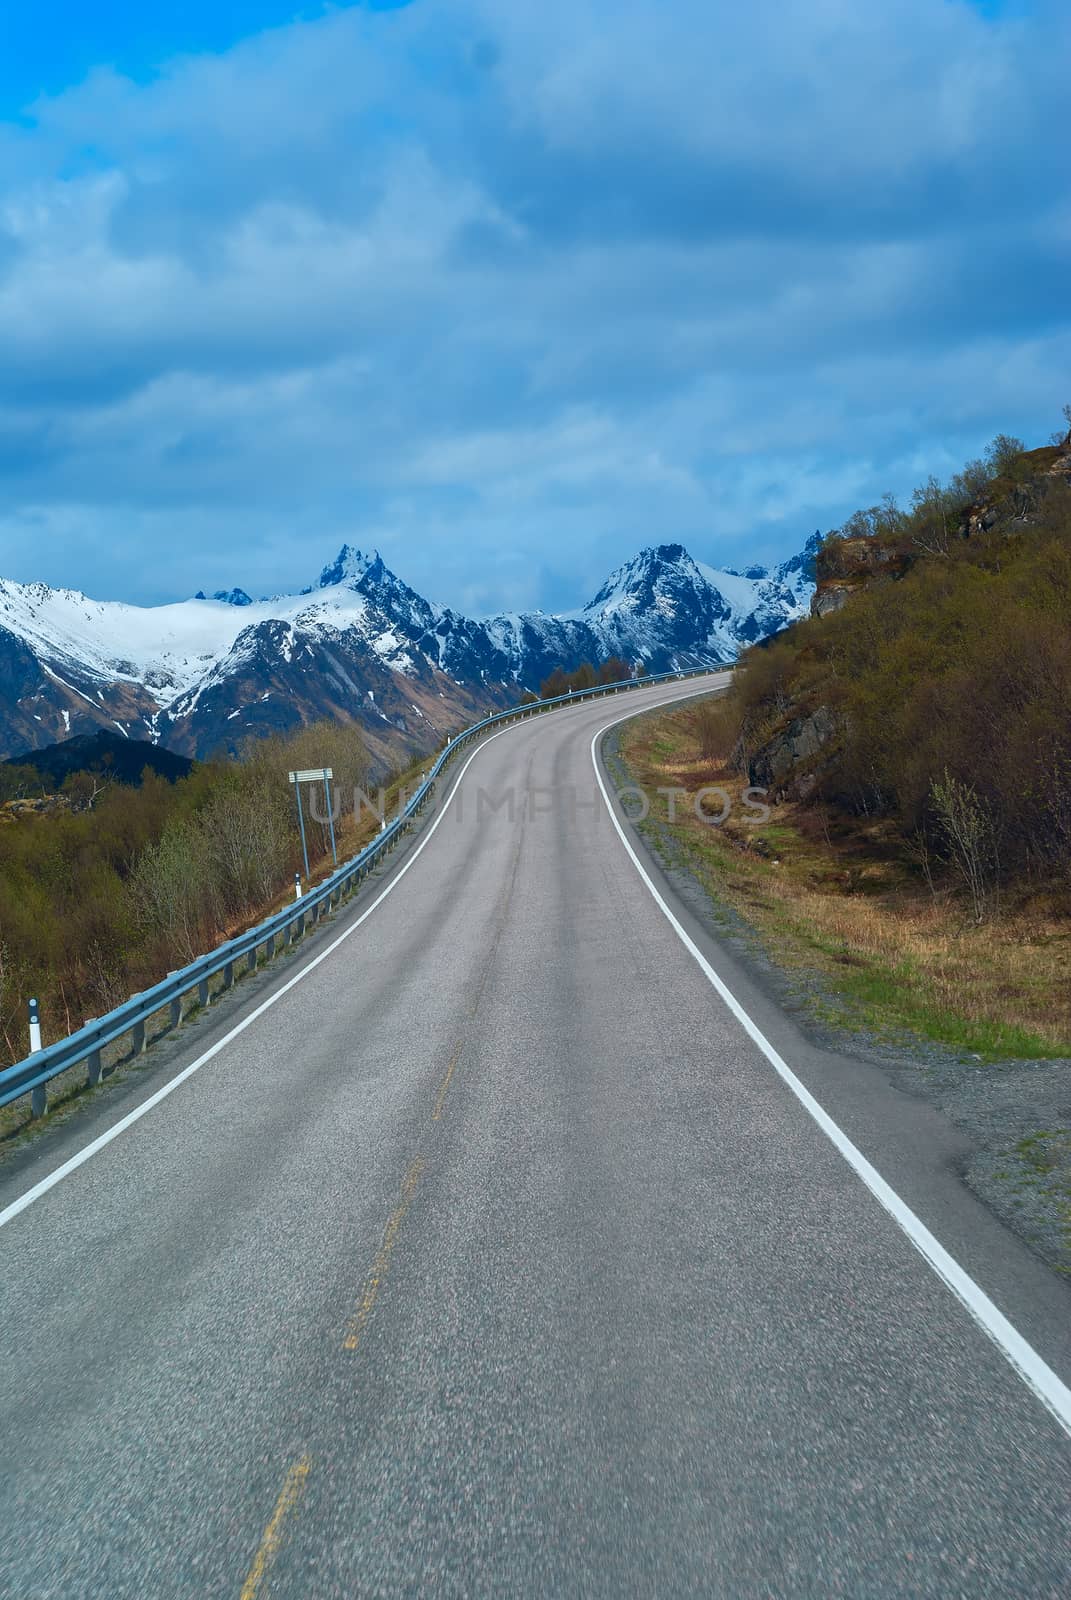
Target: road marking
(41,1188)
(290,1495)
(10,1212)
(437,1113)
(381,1265)
(1035,1373)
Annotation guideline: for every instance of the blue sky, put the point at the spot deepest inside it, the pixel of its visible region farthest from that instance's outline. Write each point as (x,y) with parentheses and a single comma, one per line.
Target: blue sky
(511,290)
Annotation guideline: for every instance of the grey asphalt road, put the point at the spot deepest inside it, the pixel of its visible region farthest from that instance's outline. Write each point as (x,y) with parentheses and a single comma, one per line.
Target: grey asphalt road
(494,1259)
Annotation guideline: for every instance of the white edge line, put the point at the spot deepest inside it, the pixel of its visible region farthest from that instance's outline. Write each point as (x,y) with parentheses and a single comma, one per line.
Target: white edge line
(63,1171)
(1035,1373)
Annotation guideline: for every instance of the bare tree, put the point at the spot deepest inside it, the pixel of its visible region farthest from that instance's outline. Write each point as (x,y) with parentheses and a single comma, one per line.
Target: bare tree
(247,832)
(84,789)
(969,837)
(173,893)
(1003,453)
(934,518)
(970,483)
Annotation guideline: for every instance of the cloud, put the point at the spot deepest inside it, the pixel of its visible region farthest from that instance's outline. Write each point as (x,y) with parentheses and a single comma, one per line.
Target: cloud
(513,289)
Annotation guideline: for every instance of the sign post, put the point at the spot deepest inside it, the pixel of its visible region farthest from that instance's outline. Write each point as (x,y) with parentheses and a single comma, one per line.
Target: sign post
(330,812)
(314,775)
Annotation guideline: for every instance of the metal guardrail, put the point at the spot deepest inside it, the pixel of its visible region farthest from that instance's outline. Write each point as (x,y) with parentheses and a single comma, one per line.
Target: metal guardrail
(32,1075)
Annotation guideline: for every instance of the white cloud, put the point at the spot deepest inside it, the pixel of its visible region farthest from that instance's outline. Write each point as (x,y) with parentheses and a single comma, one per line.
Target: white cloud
(516,288)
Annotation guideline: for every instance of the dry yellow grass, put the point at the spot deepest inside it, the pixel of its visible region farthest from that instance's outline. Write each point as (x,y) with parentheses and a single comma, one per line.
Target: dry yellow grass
(895,955)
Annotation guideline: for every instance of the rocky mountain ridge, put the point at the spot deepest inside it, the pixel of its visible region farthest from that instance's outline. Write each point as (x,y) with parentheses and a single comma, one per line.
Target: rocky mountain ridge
(203,675)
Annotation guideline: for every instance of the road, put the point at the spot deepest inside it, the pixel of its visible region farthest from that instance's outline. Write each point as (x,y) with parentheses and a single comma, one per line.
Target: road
(494,1258)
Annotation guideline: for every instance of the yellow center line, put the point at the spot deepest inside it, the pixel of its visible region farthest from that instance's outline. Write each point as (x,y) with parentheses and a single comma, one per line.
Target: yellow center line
(437,1113)
(289,1496)
(381,1265)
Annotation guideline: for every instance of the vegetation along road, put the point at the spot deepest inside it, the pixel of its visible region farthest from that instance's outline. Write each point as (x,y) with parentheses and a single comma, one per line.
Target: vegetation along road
(508,1241)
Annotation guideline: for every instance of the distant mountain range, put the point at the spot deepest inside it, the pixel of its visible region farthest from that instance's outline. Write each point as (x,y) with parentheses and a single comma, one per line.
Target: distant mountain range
(202,675)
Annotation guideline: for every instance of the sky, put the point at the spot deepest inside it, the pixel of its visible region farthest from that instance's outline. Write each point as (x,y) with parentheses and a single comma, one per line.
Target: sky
(511,290)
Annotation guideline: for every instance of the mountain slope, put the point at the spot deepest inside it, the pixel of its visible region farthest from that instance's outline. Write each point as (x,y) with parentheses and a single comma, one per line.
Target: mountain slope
(201,675)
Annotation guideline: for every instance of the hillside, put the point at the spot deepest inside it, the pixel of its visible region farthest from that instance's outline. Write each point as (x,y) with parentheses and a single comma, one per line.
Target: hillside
(931,685)
(1011,491)
(109,755)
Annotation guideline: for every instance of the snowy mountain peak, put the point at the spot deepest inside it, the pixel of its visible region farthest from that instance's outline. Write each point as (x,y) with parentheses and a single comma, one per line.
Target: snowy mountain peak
(634,585)
(351,566)
(665,608)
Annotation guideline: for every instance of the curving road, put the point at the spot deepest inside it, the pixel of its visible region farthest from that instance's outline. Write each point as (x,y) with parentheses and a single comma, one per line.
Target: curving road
(492,1257)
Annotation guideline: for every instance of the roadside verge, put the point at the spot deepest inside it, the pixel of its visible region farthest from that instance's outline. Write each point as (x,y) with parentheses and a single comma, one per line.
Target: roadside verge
(1038,1375)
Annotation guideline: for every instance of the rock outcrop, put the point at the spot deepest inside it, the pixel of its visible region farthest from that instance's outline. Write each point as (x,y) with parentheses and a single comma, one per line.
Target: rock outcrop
(785,764)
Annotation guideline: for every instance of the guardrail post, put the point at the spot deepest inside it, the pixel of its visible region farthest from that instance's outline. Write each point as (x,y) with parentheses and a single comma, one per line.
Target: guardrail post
(269,948)
(228,974)
(203,993)
(35,1028)
(137,1033)
(93,1068)
(38,1095)
(252,967)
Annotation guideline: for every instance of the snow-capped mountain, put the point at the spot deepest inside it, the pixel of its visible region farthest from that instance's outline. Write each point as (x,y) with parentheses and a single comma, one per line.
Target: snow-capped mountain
(203,674)
(671,611)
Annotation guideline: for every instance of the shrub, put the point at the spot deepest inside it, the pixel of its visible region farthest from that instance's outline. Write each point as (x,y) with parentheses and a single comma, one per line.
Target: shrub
(102,896)
(951,686)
